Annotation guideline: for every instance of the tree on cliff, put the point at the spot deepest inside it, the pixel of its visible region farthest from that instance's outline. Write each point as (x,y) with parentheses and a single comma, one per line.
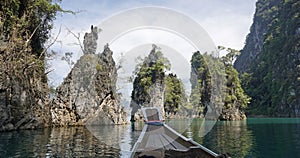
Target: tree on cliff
(149,71)
(235,98)
(271,77)
(153,87)
(30,21)
(174,95)
(203,85)
(24,29)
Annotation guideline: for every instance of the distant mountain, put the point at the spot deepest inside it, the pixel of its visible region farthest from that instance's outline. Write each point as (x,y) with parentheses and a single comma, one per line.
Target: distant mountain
(269,63)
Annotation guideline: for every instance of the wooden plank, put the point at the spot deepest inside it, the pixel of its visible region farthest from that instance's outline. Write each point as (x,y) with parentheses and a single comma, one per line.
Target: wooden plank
(163,141)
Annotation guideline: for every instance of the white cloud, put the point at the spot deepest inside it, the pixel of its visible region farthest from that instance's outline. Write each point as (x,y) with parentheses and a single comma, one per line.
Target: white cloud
(152,36)
(228,30)
(227,22)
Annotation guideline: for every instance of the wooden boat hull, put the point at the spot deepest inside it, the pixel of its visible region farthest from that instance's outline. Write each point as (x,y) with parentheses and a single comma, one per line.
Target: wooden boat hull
(163,141)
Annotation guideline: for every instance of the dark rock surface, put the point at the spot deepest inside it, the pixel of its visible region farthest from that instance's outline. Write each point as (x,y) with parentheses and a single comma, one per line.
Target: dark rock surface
(24,104)
(256,37)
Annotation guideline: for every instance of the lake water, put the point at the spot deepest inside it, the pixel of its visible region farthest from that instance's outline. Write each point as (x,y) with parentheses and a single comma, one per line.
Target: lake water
(261,137)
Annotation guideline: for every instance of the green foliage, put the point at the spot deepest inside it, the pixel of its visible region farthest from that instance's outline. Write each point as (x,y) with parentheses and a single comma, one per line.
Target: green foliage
(32,18)
(98,67)
(151,70)
(201,83)
(174,95)
(230,56)
(272,79)
(203,78)
(235,95)
(24,28)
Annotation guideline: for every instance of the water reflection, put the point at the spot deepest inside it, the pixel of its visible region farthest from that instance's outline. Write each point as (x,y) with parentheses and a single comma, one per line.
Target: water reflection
(231,137)
(77,142)
(226,137)
(118,137)
(117,141)
(56,142)
(252,138)
(24,143)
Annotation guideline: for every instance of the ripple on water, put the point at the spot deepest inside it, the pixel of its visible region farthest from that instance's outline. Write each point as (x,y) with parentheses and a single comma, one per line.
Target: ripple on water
(252,138)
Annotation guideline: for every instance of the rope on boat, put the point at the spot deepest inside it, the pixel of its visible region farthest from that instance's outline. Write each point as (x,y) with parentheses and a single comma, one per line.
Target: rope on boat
(155,123)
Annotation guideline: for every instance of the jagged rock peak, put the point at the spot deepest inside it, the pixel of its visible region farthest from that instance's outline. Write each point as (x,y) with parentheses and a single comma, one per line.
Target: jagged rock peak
(90,41)
(107,52)
(88,94)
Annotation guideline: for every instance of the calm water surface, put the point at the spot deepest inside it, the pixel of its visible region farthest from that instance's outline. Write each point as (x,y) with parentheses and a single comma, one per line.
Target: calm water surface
(262,137)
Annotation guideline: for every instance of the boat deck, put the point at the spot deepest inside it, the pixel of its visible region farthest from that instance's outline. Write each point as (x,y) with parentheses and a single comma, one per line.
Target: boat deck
(159,140)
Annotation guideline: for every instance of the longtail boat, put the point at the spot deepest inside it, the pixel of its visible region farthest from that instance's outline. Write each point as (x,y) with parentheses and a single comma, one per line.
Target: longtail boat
(159,140)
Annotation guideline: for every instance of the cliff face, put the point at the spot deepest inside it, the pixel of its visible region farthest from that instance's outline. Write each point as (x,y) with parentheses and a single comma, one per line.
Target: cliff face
(148,85)
(265,13)
(201,84)
(155,86)
(216,94)
(24,103)
(24,99)
(88,94)
(271,59)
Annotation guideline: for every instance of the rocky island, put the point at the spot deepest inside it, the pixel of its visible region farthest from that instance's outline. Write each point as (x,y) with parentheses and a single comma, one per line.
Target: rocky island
(86,97)
(88,94)
(154,85)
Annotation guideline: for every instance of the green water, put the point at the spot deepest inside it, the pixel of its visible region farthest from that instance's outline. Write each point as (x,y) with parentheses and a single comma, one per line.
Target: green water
(262,138)
(256,137)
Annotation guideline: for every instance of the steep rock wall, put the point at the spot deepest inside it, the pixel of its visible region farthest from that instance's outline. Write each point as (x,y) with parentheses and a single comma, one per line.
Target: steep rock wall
(272,71)
(88,94)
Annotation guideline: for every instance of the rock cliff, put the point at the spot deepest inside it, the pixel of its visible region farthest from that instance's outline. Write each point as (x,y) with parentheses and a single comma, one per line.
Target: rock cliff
(88,94)
(155,86)
(24,103)
(90,41)
(255,40)
(270,63)
(24,99)
(216,92)
(148,85)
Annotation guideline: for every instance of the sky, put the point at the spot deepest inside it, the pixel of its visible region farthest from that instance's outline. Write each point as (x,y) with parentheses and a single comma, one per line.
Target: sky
(226,22)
